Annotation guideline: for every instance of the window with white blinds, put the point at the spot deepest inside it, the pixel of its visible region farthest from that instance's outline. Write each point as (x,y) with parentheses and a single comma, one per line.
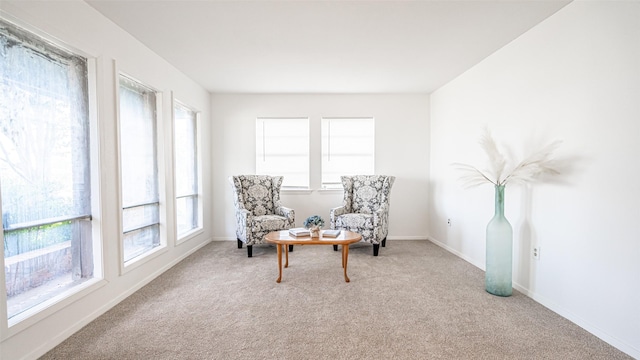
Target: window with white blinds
(45,171)
(139,168)
(282,148)
(188,207)
(348,146)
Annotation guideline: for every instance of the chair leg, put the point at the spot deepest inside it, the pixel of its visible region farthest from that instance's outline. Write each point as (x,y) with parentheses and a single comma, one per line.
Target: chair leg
(290,248)
(250,250)
(376,248)
(384,242)
(239,244)
(335,247)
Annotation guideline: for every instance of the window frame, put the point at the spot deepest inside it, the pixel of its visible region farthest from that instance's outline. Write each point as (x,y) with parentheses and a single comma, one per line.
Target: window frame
(126,266)
(180,238)
(31,316)
(338,185)
(259,141)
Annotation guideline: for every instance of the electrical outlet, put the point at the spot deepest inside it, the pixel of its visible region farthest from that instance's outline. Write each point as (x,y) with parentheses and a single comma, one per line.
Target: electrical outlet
(449,222)
(536,252)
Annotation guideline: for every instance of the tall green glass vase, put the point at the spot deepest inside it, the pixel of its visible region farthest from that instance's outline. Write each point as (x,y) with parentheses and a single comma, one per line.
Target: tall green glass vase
(499,250)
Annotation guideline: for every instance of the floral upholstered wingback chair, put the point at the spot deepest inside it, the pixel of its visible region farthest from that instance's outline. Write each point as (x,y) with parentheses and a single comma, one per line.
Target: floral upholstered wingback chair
(365,208)
(258,209)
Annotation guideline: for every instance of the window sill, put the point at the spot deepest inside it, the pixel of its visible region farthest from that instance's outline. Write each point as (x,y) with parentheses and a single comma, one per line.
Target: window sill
(309,191)
(331,191)
(142,259)
(35,314)
(189,235)
(296,191)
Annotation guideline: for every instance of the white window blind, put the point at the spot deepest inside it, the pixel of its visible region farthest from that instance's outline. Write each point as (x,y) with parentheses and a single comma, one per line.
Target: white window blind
(348,146)
(44,169)
(282,148)
(139,168)
(186,169)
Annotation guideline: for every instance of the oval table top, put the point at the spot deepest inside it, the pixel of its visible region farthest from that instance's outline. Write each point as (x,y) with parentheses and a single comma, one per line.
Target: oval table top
(283,237)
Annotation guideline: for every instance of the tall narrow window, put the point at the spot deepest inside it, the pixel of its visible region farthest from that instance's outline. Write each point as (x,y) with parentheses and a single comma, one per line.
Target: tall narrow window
(282,148)
(44,169)
(348,146)
(139,168)
(186,169)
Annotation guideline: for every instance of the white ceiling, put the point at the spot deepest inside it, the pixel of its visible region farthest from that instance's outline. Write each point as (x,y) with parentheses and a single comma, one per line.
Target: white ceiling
(325,46)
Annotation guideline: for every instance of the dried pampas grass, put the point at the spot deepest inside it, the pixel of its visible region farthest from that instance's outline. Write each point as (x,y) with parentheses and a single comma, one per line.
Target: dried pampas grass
(530,169)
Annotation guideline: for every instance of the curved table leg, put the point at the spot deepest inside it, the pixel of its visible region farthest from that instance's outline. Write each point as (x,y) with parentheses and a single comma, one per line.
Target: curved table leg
(286,255)
(279,263)
(345,258)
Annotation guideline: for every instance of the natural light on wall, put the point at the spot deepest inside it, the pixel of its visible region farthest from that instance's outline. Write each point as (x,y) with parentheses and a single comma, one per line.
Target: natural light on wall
(282,148)
(348,146)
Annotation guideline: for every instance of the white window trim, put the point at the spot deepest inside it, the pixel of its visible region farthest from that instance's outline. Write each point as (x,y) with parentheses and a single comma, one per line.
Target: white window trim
(134,263)
(338,188)
(182,238)
(36,314)
(301,188)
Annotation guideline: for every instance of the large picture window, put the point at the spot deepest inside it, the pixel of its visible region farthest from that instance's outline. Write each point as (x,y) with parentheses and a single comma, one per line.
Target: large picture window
(282,148)
(186,169)
(348,146)
(44,169)
(139,168)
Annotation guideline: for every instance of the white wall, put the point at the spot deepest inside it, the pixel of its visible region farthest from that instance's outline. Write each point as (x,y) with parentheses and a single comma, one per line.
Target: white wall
(80,27)
(574,77)
(402,150)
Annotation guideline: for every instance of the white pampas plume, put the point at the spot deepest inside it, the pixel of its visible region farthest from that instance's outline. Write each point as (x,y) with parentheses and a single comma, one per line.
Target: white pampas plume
(470,175)
(497,161)
(537,164)
(528,170)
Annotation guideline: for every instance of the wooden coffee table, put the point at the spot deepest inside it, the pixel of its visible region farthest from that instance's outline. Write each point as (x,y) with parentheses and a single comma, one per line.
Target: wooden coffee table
(282,239)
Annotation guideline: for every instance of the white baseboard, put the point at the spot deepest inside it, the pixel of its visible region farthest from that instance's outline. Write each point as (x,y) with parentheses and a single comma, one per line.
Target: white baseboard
(59,338)
(591,328)
(407,238)
(588,326)
(457,253)
(583,323)
(223,238)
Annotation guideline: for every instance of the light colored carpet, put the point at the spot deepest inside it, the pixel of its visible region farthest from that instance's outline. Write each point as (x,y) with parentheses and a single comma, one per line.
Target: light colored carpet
(414,301)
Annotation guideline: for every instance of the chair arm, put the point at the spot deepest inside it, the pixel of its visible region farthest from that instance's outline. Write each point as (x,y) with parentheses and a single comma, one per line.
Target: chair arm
(243,219)
(381,215)
(335,212)
(243,216)
(288,213)
(381,222)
